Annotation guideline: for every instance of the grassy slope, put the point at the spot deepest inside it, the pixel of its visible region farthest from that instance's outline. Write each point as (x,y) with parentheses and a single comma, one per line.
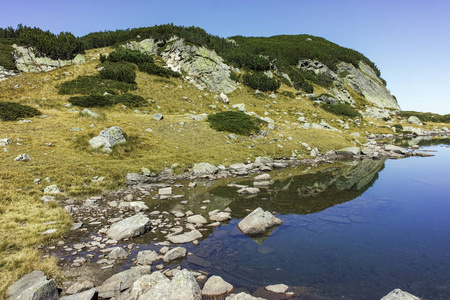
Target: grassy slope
(71,164)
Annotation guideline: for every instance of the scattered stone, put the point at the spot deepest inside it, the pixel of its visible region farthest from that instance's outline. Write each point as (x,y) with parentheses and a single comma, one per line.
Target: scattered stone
(5,142)
(79,287)
(277,288)
(240,107)
(175,253)
(220,217)
(129,227)
(248,190)
(258,222)
(165,191)
(50,231)
(147,257)
(185,237)
(201,169)
(86,295)
(89,113)
(52,189)
(216,286)
(158,117)
(243,296)
(262,177)
(224,98)
(118,253)
(197,219)
(398,294)
(22,157)
(396,149)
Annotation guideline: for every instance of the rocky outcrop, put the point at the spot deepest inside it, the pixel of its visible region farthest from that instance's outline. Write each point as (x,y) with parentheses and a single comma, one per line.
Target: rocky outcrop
(148,46)
(205,68)
(398,294)
(108,138)
(365,82)
(27,61)
(5,74)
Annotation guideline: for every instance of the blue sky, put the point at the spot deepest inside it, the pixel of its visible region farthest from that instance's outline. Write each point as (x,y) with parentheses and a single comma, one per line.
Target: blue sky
(409,40)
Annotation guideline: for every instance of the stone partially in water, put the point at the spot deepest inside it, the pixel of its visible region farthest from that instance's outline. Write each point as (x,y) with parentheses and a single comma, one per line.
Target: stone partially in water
(175,253)
(128,228)
(277,288)
(398,294)
(185,237)
(258,222)
(216,286)
(121,281)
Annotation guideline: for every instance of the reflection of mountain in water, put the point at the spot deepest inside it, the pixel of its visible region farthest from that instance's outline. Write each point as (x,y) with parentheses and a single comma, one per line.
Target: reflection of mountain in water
(310,193)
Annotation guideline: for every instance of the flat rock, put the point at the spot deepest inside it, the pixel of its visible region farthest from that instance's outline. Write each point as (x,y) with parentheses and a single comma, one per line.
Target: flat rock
(118,253)
(121,281)
(262,177)
(396,149)
(86,295)
(220,217)
(129,227)
(197,219)
(243,296)
(175,253)
(258,222)
(398,294)
(277,288)
(79,287)
(185,237)
(147,257)
(216,286)
(248,190)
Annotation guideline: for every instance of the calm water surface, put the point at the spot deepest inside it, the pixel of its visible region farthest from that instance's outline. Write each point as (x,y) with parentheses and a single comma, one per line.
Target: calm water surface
(355,231)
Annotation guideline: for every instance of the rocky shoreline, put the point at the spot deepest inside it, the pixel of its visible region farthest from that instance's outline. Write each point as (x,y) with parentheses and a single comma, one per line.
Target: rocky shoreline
(106,232)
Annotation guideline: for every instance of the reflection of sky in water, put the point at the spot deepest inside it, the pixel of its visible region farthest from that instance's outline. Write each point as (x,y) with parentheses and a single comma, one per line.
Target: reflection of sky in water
(395,235)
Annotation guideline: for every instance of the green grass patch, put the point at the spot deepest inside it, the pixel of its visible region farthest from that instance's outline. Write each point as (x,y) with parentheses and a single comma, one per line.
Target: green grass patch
(341,109)
(10,111)
(86,85)
(234,122)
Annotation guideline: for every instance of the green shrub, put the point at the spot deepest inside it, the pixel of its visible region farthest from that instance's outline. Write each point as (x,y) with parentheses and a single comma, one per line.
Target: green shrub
(92,101)
(10,111)
(398,127)
(131,56)
(288,94)
(234,76)
(86,85)
(261,81)
(153,69)
(341,109)
(7,57)
(127,99)
(235,122)
(119,71)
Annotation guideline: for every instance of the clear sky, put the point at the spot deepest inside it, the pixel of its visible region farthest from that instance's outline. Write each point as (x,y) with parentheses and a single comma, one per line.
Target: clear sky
(409,40)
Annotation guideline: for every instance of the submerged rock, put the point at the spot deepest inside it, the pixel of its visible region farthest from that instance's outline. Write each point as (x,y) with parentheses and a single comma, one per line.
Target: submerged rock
(258,222)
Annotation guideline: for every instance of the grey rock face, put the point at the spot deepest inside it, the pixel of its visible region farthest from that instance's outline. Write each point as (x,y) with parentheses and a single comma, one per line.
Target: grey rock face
(146,46)
(216,286)
(128,228)
(27,61)
(258,222)
(121,281)
(206,68)
(398,294)
(108,138)
(33,286)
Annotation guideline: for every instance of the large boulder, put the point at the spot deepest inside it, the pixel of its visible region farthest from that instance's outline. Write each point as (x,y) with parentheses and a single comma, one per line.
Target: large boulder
(147,257)
(121,281)
(108,138)
(414,120)
(33,286)
(398,294)
(258,222)
(128,228)
(175,253)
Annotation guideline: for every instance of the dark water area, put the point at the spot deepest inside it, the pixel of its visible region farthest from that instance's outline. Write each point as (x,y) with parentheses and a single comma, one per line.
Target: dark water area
(354,232)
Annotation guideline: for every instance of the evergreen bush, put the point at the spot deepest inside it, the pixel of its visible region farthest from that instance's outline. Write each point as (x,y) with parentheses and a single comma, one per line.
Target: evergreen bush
(120,71)
(341,109)
(260,81)
(10,111)
(234,122)
(7,57)
(151,68)
(86,85)
(129,100)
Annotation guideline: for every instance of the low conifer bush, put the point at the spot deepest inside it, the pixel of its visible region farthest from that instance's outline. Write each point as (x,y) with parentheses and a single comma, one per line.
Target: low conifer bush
(234,122)
(262,82)
(86,85)
(127,99)
(341,109)
(120,71)
(10,111)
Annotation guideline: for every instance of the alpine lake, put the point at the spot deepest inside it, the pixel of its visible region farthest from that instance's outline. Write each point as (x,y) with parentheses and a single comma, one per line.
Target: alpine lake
(351,229)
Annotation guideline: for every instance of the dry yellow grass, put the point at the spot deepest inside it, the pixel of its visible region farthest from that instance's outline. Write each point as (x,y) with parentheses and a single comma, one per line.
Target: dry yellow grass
(71,164)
